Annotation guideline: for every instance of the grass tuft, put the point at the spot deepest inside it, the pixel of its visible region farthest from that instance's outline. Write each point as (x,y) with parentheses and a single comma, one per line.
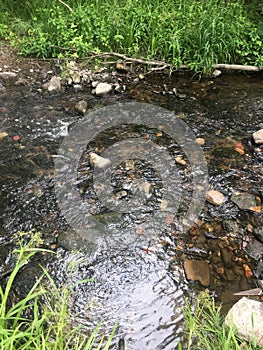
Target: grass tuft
(42,319)
(205,329)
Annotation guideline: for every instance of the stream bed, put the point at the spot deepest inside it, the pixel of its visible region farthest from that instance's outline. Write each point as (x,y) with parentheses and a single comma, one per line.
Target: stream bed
(141,283)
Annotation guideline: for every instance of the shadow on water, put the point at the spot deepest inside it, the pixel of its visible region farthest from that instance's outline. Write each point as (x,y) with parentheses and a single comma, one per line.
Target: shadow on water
(141,284)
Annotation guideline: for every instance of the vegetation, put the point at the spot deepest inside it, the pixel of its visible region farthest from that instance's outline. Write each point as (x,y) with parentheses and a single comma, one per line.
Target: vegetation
(42,319)
(196,33)
(205,329)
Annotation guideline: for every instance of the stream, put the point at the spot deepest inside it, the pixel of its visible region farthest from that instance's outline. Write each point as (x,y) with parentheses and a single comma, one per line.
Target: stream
(137,280)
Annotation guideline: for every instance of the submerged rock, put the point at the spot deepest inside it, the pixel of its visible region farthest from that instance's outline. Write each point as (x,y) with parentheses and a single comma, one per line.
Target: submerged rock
(81,107)
(215,197)
(197,270)
(247,317)
(98,161)
(258,137)
(246,201)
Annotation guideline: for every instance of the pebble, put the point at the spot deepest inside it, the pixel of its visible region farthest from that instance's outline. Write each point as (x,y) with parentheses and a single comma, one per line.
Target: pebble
(103,89)
(54,85)
(258,137)
(215,197)
(81,107)
(98,161)
(200,141)
(3,135)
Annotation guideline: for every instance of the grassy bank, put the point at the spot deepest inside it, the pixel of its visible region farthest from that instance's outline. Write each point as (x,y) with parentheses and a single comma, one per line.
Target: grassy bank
(196,33)
(42,320)
(205,329)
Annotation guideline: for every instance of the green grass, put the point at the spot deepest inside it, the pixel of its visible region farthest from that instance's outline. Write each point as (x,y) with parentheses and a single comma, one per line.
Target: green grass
(196,33)
(205,329)
(49,325)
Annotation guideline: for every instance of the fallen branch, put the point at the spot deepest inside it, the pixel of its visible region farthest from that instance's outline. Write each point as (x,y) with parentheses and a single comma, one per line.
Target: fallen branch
(159,65)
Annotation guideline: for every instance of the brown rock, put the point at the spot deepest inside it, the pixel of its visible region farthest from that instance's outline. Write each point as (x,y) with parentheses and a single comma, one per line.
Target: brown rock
(215,197)
(197,270)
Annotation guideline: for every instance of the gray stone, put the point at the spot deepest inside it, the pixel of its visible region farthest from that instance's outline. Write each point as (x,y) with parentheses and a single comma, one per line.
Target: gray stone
(243,200)
(103,89)
(54,85)
(81,106)
(258,137)
(247,317)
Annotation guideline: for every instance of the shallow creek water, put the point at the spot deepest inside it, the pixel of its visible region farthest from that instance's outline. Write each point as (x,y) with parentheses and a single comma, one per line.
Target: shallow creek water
(141,283)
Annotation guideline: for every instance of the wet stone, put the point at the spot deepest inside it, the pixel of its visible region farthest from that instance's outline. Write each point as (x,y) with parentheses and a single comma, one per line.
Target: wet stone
(245,200)
(215,197)
(255,249)
(258,137)
(81,107)
(197,270)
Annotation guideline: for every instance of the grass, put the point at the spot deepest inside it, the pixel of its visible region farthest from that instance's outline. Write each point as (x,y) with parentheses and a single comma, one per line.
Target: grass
(205,329)
(42,320)
(196,33)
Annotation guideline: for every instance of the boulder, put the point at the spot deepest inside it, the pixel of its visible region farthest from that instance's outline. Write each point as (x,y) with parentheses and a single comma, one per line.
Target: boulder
(247,317)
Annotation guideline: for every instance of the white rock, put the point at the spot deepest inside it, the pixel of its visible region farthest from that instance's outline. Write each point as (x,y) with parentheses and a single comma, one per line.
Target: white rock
(102,89)
(216,73)
(54,84)
(215,197)
(258,137)
(247,317)
(98,161)
(7,75)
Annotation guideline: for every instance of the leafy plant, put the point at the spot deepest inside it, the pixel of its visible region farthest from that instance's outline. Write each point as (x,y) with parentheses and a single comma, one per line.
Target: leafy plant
(197,33)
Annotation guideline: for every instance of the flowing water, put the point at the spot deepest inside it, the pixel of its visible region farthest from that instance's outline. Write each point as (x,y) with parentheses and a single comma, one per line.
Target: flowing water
(140,282)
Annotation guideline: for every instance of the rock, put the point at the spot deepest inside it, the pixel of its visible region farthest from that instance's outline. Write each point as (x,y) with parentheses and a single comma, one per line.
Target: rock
(54,85)
(245,201)
(3,135)
(98,161)
(77,87)
(81,107)
(255,250)
(215,197)
(216,73)
(197,270)
(247,317)
(7,75)
(258,137)
(103,89)
(200,141)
